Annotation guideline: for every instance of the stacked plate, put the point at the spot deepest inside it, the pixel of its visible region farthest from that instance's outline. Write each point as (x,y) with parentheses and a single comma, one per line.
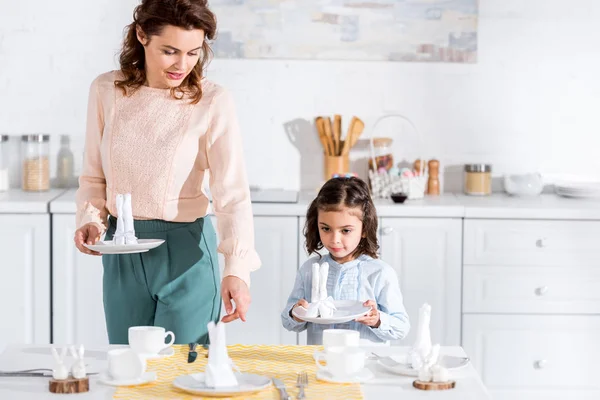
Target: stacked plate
(578,189)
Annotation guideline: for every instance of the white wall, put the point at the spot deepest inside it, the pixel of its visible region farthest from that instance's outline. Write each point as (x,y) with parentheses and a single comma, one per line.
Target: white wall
(530,103)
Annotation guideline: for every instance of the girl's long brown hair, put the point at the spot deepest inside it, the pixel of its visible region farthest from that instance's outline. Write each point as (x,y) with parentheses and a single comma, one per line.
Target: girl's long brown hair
(152,16)
(333,196)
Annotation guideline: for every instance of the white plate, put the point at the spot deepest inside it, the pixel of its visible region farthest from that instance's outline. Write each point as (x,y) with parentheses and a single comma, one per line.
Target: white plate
(362,376)
(168,352)
(347,310)
(247,384)
(107,246)
(146,377)
(399,364)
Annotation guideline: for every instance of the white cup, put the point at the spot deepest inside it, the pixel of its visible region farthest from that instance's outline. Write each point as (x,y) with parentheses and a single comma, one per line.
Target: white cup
(342,362)
(149,340)
(125,364)
(340,338)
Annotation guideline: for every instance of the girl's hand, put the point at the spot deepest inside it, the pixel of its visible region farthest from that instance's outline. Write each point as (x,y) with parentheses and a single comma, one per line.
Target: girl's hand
(301,303)
(372,318)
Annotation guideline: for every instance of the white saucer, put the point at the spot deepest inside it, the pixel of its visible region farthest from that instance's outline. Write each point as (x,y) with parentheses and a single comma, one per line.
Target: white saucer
(346,311)
(108,247)
(247,384)
(146,377)
(168,352)
(399,364)
(362,376)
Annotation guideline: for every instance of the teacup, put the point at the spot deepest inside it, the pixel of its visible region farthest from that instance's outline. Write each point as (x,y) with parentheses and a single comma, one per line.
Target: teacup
(149,340)
(340,338)
(342,362)
(125,364)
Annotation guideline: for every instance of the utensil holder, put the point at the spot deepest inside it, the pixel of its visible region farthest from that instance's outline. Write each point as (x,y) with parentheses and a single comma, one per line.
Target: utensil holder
(336,165)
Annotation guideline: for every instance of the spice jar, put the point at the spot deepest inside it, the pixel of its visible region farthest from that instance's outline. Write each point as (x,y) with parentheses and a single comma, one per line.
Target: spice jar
(36,163)
(4,163)
(383,154)
(478,179)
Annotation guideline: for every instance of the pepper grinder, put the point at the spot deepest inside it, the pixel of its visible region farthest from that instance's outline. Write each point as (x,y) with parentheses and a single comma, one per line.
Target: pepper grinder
(417,167)
(433,185)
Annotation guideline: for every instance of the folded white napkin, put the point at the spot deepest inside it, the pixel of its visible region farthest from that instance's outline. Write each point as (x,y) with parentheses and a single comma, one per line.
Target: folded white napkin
(125,232)
(320,304)
(422,346)
(219,370)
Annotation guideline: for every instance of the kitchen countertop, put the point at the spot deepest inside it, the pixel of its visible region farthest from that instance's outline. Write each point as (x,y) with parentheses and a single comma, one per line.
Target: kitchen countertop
(449,205)
(16,201)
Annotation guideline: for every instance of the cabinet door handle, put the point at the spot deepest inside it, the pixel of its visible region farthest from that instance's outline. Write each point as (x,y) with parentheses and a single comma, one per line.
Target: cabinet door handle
(386,230)
(540,364)
(541,290)
(541,243)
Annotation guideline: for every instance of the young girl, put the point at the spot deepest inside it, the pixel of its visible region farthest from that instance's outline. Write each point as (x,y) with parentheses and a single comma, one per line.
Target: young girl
(343,220)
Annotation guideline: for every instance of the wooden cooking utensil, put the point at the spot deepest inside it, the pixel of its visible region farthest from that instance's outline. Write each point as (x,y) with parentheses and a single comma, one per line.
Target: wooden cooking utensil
(354,130)
(320,124)
(337,134)
(329,135)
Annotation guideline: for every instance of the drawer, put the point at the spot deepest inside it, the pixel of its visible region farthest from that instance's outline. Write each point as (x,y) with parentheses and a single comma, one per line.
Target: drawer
(533,243)
(530,353)
(536,290)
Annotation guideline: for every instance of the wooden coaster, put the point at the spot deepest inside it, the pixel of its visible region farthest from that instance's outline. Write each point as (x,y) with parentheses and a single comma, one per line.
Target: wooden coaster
(70,385)
(434,385)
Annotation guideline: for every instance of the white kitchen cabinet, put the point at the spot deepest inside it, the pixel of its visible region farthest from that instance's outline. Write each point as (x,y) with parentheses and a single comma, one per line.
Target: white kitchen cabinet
(533,357)
(276,244)
(25,283)
(78,311)
(426,254)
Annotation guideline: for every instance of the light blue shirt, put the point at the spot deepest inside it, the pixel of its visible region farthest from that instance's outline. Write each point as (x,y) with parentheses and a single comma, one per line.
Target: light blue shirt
(362,279)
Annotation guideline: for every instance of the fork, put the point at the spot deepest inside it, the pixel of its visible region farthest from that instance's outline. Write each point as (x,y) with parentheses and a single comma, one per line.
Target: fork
(301,382)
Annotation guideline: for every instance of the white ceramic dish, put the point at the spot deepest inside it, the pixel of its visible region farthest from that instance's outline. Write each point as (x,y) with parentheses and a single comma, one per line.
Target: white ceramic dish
(346,310)
(247,384)
(146,377)
(108,247)
(399,364)
(362,376)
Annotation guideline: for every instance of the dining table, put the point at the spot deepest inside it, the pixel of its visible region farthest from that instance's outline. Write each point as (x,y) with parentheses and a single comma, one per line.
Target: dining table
(283,363)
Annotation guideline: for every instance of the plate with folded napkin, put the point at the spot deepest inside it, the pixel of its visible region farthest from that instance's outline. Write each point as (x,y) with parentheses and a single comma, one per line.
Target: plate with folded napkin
(124,240)
(246,385)
(400,364)
(109,247)
(345,311)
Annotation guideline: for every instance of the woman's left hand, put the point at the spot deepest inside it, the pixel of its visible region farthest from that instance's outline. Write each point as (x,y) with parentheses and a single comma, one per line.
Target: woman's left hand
(372,318)
(233,288)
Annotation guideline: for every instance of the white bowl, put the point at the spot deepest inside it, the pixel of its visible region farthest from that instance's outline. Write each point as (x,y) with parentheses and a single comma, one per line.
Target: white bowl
(524,184)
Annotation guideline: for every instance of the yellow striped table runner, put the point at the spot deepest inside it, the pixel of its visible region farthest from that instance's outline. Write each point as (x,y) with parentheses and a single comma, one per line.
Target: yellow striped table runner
(282,362)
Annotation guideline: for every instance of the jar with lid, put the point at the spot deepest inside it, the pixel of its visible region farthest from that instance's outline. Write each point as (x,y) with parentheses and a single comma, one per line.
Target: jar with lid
(478,179)
(383,154)
(35,159)
(4,163)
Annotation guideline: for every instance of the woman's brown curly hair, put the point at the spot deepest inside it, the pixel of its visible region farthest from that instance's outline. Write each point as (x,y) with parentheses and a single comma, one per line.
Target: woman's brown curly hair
(152,16)
(333,196)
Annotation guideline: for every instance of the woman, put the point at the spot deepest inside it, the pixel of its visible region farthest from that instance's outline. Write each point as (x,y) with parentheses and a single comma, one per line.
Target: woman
(154,128)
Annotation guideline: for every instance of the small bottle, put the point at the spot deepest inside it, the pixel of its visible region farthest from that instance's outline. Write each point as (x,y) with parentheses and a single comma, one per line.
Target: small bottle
(64,163)
(4,163)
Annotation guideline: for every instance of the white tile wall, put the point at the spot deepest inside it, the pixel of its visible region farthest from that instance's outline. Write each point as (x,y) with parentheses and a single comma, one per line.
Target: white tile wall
(530,103)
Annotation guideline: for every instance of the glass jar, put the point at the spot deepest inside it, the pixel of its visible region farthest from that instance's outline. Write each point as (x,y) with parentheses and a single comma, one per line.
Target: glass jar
(36,163)
(4,163)
(383,154)
(478,179)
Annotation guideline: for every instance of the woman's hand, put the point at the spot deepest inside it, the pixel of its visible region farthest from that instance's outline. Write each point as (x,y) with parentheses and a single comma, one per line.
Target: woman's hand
(372,318)
(300,303)
(89,234)
(233,288)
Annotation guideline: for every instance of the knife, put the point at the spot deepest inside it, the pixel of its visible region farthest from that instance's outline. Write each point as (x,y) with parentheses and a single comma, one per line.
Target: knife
(283,395)
(192,353)
(8,374)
